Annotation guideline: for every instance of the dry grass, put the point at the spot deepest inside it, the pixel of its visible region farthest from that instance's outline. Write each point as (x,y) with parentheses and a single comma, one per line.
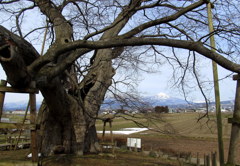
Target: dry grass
(123,158)
(178,124)
(177,133)
(180,133)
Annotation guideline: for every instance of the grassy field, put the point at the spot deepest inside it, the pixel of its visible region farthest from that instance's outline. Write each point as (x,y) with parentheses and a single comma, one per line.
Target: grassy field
(15,117)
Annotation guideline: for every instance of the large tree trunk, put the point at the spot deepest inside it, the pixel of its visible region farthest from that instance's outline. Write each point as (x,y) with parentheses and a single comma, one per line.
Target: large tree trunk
(62,123)
(93,89)
(95,84)
(68,119)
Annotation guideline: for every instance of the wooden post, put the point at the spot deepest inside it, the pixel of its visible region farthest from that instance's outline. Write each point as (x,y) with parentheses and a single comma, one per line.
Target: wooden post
(190,157)
(2,96)
(216,88)
(235,125)
(207,160)
(214,159)
(198,160)
(104,128)
(44,39)
(33,112)
(112,143)
(115,145)
(103,134)
(20,133)
(111,133)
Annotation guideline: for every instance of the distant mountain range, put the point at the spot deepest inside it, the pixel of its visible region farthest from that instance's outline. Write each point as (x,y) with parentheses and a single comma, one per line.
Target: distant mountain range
(148,101)
(20,105)
(160,99)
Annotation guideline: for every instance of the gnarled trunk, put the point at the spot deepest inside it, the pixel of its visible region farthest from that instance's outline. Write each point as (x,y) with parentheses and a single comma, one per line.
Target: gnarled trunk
(93,89)
(15,55)
(62,122)
(68,119)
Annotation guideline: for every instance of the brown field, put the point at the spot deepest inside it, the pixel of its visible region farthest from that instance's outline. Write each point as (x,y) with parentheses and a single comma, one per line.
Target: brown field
(178,133)
(173,134)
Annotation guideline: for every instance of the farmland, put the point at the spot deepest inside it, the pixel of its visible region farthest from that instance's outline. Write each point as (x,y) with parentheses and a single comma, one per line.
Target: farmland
(176,133)
(179,133)
(179,124)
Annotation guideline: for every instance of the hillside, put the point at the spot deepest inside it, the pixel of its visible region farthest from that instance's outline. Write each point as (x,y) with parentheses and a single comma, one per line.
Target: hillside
(158,100)
(21,105)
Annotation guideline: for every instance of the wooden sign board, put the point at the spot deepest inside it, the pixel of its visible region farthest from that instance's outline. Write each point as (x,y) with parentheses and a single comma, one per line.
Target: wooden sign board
(134,143)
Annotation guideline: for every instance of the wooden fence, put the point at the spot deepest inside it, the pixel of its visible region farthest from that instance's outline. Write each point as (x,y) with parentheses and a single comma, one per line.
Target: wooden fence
(22,126)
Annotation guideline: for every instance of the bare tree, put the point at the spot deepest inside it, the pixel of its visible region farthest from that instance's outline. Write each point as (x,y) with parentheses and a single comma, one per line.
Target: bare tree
(86,37)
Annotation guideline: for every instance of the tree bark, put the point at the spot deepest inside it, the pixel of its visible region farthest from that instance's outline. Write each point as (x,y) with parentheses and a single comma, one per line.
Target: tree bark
(62,123)
(15,55)
(93,90)
(69,118)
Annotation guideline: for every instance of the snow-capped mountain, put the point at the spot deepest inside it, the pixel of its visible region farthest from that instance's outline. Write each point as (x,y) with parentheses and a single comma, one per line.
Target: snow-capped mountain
(162,95)
(161,99)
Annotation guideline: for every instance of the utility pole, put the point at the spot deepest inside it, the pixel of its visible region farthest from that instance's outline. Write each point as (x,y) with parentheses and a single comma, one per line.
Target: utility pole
(216,87)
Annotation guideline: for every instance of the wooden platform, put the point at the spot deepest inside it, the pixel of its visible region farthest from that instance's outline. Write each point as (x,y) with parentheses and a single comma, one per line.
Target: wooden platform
(21,126)
(11,141)
(6,146)
(15,90)
(9,146)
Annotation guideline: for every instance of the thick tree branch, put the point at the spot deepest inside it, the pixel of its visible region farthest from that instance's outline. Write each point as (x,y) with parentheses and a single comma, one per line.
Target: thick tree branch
(190,45)
(58,20)
(67,63)
(111,31)
(15,55)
